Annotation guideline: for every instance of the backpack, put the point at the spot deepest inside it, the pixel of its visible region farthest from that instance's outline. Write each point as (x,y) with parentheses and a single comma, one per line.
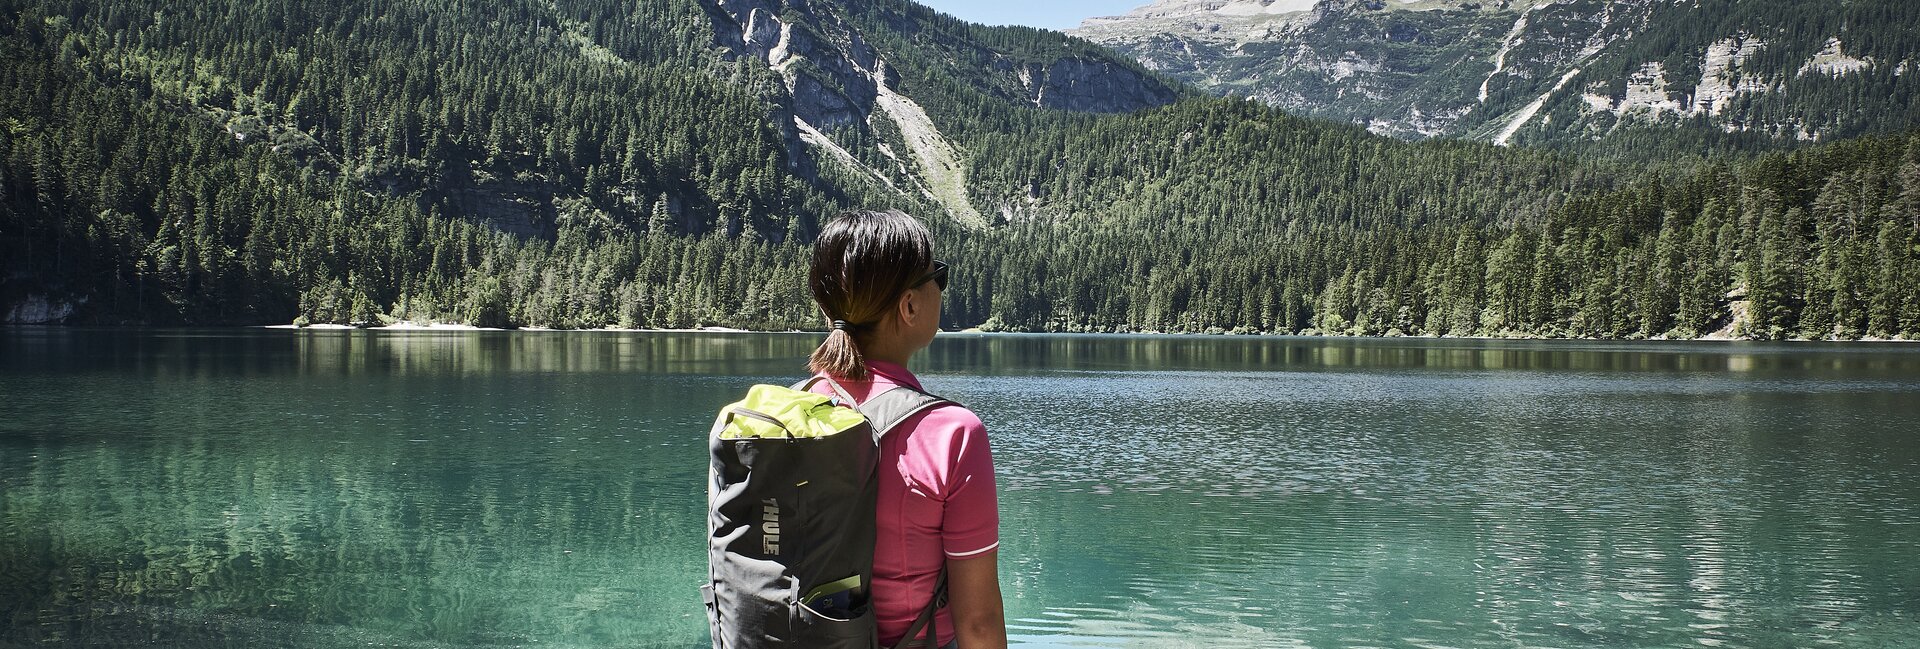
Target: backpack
(793,487)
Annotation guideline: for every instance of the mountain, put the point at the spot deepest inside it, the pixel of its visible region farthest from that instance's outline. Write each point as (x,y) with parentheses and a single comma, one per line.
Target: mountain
(665,164)
(236,162)
(853,69)
(1718,75)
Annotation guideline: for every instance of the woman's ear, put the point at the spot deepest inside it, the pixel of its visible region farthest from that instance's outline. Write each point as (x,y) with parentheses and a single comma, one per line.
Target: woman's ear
(909,309)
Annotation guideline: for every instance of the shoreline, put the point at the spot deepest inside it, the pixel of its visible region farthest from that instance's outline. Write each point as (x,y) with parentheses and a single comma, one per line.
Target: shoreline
(976,331)
(442,326)
(413,327)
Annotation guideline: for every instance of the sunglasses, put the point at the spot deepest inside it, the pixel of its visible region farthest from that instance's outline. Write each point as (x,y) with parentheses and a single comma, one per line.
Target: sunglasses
(938,276)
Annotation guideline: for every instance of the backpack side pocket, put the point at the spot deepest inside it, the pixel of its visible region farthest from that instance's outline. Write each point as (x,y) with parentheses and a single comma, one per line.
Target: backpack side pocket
(818,630)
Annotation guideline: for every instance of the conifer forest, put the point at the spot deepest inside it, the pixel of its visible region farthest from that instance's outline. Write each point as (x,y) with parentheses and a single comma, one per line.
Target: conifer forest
(593,163)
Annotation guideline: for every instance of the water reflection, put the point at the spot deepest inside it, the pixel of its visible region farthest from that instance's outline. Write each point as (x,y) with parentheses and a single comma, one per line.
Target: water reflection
(193,352)
(479,489)
(332,352)
(229,490)
(1269,493)
(962,352)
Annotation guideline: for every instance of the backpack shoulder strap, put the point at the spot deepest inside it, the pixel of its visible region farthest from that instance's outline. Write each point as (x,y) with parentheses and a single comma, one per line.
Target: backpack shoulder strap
(807,386)
(884,410)
(890,408)
(927,620)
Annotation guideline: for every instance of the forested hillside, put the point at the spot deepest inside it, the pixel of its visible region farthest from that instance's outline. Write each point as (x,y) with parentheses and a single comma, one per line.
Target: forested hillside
(247,162)
(664,163)
(1822,243)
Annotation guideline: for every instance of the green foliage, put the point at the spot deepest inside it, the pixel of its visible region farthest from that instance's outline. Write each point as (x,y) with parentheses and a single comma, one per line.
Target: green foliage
(196,165)
(1191,252)
(586,163)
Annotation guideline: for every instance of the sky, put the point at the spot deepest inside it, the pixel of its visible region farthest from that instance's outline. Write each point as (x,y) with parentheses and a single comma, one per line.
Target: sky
(1051,14)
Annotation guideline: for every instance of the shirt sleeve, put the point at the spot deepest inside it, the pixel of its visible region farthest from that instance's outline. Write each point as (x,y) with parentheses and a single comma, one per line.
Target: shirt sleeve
(970,524)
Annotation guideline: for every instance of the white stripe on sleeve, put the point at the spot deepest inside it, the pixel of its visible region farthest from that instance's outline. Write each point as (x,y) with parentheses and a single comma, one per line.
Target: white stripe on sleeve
(963,555)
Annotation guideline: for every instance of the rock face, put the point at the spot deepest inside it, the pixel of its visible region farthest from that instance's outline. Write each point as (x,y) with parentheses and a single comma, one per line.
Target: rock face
(1410,69)
(1721,78)
(831,81)
(1532,71)
(38,309)
(1210,20)
(829,65)
(837,80)
(1091,86)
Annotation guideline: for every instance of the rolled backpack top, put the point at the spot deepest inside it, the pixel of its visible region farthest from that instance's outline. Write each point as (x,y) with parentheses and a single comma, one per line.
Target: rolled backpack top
(790,518)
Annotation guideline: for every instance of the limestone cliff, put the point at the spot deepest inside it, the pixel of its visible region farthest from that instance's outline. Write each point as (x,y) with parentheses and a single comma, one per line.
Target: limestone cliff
(1546,72)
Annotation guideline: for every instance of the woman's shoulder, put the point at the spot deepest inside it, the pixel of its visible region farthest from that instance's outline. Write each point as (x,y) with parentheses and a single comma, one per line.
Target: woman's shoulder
(947,442)
(954,415)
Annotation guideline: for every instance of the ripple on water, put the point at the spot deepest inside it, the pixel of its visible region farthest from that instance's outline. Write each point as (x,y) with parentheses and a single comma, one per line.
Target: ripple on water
(1452,509)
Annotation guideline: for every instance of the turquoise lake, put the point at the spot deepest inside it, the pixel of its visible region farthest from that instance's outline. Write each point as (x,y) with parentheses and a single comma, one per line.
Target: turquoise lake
(470,489)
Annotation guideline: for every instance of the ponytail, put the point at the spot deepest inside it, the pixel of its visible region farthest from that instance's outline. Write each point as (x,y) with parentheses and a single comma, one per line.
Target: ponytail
(862,262)
(839,357)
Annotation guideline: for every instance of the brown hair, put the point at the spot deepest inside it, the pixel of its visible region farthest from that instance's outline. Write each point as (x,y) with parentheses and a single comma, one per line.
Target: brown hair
(862,262)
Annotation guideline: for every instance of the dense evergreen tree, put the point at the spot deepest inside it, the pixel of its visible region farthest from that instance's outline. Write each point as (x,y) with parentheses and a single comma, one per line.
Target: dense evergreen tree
(588,163)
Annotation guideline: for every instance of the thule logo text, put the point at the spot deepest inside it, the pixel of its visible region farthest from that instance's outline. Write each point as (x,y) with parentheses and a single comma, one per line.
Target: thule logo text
(770,527)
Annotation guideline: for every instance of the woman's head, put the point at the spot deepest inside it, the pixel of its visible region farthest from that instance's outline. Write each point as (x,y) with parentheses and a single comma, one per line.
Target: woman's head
(870,277)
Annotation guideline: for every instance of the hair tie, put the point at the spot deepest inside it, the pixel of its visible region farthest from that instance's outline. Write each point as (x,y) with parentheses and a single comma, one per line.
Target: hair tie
(842,325)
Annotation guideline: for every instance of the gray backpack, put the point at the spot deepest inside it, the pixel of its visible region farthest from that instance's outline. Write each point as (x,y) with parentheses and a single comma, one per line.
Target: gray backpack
(790,519)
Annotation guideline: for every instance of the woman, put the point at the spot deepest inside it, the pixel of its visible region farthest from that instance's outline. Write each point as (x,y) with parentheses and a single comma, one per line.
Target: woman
(875,279)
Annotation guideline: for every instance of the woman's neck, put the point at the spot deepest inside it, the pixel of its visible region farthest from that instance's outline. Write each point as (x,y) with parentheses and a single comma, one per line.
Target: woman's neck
(890,351)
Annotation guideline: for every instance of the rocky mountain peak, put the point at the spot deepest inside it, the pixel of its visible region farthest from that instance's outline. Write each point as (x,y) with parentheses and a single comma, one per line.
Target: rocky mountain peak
(1539,70)
(1254,19)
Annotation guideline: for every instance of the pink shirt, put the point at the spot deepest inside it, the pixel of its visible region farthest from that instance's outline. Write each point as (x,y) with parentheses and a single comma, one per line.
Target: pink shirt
(937,501)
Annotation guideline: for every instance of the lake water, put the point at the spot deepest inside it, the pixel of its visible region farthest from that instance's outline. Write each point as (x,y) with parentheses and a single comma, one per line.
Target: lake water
(427,489)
